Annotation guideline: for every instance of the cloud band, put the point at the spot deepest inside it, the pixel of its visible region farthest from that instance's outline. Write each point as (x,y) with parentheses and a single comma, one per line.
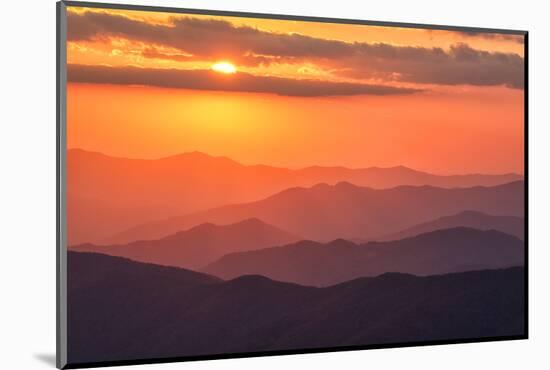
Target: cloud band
(209,80)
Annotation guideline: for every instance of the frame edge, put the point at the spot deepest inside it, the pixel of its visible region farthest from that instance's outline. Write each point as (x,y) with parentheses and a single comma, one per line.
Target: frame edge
(61,252)
(526,174)
(228,13)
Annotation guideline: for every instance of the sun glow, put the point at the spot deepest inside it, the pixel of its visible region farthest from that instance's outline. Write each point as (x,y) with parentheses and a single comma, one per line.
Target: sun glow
(224,67)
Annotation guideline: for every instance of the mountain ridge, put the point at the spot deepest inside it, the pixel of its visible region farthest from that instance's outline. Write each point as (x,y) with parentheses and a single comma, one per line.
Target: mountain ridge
(107,194)
(197,153)
(150,318)
(508,224)
(324,212)
(196,247)
(322,264)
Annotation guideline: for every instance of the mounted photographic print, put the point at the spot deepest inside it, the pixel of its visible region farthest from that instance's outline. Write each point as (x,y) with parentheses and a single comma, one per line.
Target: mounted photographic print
(236,184)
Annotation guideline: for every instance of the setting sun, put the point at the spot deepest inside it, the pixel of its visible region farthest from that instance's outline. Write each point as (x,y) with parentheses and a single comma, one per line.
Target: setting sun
(224,67)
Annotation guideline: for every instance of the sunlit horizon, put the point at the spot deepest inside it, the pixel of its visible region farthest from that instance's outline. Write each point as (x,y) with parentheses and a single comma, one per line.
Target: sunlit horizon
(294,94)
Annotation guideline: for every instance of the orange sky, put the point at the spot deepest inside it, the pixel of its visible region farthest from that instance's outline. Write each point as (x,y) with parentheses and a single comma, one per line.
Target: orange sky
(439,101)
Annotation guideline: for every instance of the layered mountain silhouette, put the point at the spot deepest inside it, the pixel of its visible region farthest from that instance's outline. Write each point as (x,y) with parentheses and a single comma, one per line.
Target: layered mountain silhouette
(200,245)
(507,224)
(157,312)
(437,252)
(326,212)
(107,194)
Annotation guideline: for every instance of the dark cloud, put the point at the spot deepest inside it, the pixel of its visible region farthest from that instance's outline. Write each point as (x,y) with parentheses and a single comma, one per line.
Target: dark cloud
(209,80)
(90,25)
(207,38)
(519,39)
(460,65)
(217,39)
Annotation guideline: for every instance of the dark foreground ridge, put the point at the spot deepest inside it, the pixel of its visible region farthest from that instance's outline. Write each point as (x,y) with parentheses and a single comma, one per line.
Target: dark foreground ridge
(120,310)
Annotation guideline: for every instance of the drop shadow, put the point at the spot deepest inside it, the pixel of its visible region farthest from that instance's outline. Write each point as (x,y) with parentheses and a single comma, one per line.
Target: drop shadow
(46,358)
